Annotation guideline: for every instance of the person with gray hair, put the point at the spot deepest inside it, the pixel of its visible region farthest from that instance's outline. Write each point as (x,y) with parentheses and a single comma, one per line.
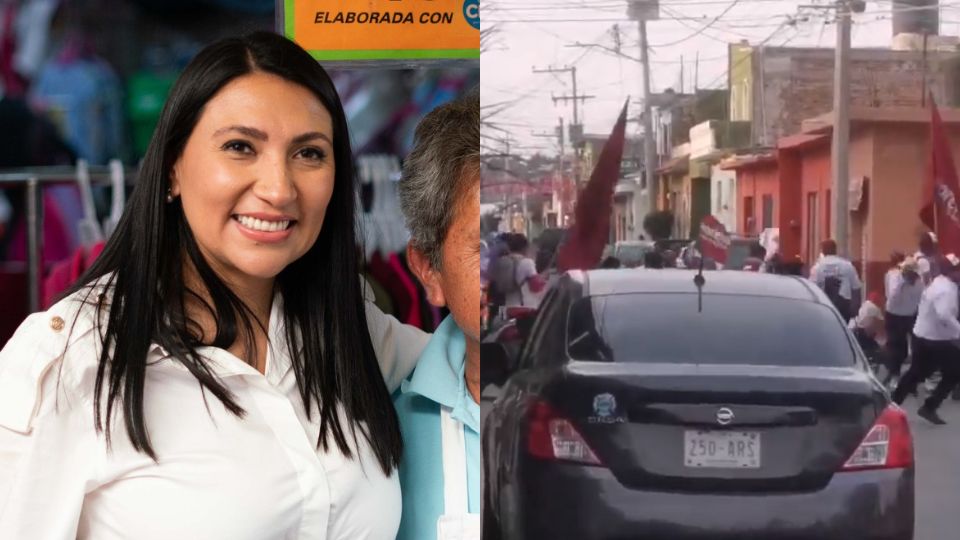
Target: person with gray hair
(439,407)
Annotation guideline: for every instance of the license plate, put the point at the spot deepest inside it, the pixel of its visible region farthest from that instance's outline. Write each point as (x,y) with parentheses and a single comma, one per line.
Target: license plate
(722,449)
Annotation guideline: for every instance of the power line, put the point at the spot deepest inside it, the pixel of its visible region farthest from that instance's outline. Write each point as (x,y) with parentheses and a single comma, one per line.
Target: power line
(892,9)
(703,29)
(745,57)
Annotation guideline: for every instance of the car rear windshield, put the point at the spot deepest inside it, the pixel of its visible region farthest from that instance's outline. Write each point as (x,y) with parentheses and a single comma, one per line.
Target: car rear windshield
(632,254)
(728,330)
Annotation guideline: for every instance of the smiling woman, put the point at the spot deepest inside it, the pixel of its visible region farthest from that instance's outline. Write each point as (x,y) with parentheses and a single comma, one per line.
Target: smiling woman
(232,273)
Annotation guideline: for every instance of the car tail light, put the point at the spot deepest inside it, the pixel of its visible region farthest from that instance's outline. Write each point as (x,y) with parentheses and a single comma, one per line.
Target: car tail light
(555,438)
(888,445)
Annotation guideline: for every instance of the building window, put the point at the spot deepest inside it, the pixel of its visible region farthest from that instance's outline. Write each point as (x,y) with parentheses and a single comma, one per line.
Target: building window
(767,211)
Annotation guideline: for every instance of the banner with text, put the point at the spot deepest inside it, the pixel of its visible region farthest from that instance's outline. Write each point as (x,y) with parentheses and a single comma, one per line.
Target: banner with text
(384,29)
(714,239)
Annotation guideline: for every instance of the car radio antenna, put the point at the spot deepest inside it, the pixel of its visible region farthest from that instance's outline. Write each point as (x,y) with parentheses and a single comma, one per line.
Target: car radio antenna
(700,281)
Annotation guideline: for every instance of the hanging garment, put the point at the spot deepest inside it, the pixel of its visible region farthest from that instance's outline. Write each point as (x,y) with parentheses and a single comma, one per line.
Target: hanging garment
(429,314)
(11,82)
(65,273)
(381,296)
(413,315)
(33,35)
(384,273)
(56,238)
(84,98)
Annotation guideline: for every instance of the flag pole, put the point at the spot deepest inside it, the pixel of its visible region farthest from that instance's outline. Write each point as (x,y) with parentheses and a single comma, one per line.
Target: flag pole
(936,211)
(936,217)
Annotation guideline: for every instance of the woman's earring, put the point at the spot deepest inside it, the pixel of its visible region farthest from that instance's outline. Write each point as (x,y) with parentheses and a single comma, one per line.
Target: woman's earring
(169,196)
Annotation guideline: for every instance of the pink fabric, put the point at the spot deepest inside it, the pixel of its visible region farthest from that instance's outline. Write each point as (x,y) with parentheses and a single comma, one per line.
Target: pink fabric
(413,316)
(13,83)
(65,273)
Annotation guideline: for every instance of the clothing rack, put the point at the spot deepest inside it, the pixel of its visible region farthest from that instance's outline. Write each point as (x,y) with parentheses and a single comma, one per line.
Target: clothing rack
(35,179)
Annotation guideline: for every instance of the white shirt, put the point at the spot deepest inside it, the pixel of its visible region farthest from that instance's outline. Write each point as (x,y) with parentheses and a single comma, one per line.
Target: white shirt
(868,315)
(937,319)
(833,266)
(903,299)
(260,477)
(526,268)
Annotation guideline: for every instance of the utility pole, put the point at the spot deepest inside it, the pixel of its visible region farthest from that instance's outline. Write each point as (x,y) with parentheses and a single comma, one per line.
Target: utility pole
(560,182)
(507,205)
(841,131)
(840,164)
(696,74)
(576,128)
(641,11)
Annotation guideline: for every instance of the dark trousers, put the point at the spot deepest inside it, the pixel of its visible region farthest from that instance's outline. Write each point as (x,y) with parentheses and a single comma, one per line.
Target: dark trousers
(899,330)
(844,307)
(928,358)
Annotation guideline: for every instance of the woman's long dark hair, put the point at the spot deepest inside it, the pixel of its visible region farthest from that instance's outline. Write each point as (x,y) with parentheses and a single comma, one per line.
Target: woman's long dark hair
(143,263)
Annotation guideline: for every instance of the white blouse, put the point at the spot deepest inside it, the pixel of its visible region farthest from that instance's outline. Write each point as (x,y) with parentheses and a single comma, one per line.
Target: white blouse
(217,477)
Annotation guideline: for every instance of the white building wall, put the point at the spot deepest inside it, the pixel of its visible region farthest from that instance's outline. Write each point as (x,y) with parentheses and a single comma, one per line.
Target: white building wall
(723,191)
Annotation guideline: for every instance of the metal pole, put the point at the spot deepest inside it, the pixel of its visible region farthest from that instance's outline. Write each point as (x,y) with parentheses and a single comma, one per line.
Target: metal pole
(561,207)
(577,155)
(34,242)
(649,150)
(841,131)
(573,74)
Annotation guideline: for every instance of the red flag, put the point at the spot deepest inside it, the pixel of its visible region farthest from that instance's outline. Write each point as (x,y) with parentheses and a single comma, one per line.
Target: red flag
(939,208)
(591,225)
(714,239)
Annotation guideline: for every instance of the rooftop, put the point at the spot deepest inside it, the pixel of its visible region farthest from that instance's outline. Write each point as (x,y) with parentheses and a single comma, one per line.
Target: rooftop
(917,115)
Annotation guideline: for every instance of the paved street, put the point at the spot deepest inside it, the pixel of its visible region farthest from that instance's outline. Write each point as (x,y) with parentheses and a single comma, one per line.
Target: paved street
(937,450)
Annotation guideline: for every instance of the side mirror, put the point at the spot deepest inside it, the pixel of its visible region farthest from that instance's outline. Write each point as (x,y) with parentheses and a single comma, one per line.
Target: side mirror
(494,364)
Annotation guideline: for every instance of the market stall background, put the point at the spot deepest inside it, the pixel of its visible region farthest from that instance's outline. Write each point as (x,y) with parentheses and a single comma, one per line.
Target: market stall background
(86,80)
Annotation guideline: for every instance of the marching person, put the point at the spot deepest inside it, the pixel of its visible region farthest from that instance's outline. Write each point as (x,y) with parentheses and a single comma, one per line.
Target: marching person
(439,408)
(936,336)
(514,272)
(904,288)
(927,258)
(866,327)
(837,277)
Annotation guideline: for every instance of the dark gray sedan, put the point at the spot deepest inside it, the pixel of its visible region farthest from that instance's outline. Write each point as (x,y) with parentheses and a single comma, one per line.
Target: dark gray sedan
(655,404)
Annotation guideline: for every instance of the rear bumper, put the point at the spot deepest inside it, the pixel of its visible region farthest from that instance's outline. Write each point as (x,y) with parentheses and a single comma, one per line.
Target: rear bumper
(588,503)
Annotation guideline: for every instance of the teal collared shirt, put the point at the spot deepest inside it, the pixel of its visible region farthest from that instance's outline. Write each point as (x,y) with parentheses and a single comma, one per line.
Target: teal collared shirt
(438,380)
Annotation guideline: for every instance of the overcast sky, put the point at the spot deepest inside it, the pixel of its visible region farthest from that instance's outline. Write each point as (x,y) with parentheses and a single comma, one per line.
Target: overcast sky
(540,33)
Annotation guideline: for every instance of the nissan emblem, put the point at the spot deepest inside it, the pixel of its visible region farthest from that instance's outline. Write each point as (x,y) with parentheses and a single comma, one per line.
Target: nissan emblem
(724,416)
